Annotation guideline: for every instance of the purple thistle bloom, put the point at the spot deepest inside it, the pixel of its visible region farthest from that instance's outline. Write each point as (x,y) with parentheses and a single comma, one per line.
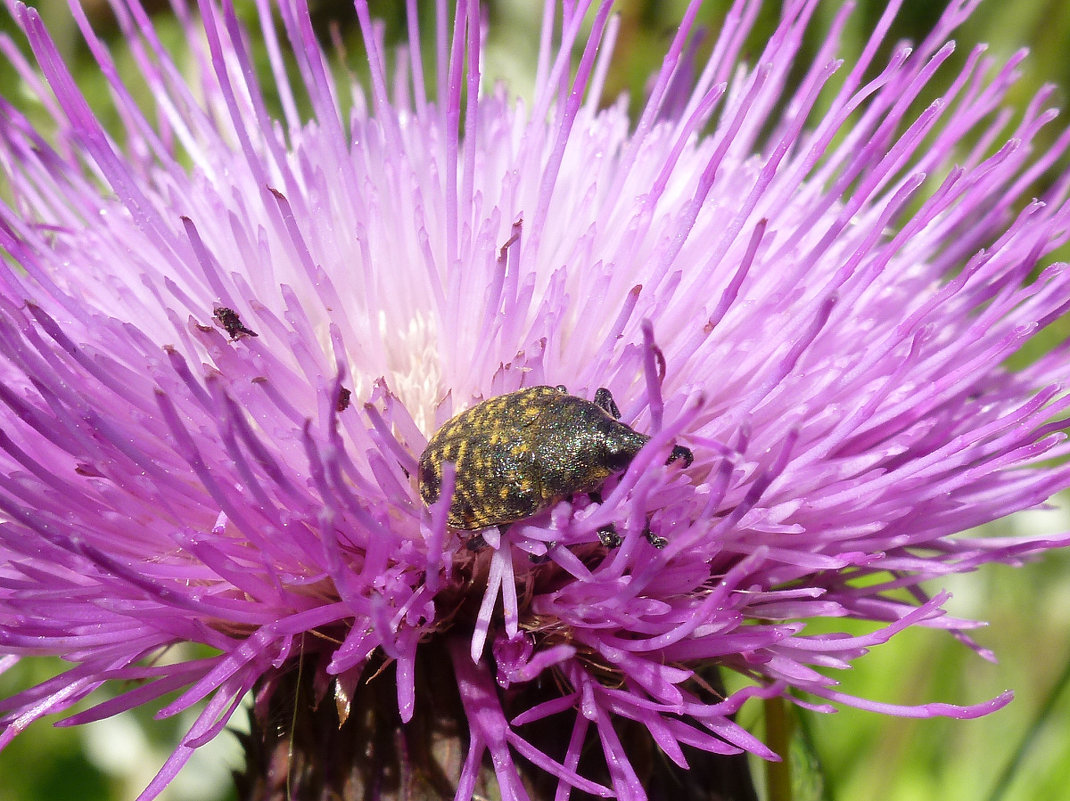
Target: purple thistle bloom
(226,338)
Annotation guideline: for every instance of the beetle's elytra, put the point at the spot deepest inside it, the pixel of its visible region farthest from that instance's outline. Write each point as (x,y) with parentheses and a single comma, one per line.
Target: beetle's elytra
(519,453)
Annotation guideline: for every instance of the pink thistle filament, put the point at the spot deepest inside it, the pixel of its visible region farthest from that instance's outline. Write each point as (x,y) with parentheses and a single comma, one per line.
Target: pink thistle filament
(227,333)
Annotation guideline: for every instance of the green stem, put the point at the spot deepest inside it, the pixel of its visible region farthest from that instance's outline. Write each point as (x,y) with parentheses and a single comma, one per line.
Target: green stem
(1047,707)
(778,737)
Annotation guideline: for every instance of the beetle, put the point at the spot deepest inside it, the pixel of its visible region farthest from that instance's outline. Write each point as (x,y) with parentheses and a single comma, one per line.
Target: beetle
(522,452)
(232,324)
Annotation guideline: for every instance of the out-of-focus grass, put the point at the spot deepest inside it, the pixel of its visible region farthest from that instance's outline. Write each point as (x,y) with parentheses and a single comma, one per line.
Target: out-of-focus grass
(844,757)
(865,755)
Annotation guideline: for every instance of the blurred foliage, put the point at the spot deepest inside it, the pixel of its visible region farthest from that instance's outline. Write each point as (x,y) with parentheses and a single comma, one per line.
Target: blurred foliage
(842,757)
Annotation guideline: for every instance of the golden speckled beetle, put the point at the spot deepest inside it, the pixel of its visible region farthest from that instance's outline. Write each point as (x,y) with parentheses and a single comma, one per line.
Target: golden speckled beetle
(519,453)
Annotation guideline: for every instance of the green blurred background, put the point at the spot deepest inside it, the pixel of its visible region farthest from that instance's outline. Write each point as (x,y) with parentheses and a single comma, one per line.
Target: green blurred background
(1021,753)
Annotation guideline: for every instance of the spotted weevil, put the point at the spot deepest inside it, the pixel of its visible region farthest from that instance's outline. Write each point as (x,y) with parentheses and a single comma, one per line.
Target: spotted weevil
(520,453)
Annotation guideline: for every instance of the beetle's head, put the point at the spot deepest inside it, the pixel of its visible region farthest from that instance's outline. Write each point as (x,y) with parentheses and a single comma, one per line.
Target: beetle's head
(621,443)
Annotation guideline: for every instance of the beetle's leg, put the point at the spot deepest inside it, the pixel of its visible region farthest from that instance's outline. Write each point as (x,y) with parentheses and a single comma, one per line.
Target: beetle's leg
(680,452)
(608,536)
(603,399)
(540,559)
(654,539)
(475,543)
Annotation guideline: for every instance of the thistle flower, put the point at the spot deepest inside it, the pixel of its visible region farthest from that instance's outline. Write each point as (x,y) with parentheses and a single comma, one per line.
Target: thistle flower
(226,337)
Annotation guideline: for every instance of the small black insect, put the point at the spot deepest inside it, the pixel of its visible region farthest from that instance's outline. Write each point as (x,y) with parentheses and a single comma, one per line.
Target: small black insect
(344,396)
(232,324)
(522,452)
